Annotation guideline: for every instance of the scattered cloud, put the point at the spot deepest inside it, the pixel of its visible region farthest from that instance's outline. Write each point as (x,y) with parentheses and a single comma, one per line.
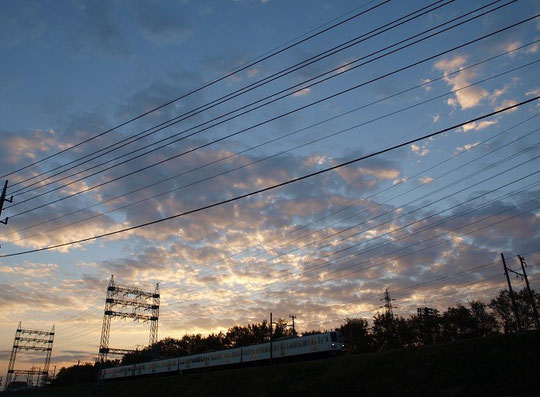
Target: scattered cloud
(466,147)
(512,46)
(253,72)
(162,26)
(426,85)
(34,270)
(478,125)
(507,103)
(420,150)
(533,49)
(534,92)
(466,98)
(302,92)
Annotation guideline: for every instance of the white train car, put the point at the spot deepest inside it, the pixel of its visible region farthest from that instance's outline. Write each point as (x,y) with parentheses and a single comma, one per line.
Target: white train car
(326,343)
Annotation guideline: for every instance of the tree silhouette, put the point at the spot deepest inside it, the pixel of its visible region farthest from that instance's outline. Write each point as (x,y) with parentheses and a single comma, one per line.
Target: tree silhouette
(356,335)
(504,314)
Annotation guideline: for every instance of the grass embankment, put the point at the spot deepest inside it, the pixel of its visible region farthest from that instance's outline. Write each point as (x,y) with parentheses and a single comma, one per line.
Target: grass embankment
(494,366)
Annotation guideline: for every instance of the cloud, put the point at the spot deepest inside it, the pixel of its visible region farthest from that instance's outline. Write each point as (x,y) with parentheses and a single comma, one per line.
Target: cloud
(478,125)
(425,179)
(466,98)
(20,22)
(466,147)
(507,103)
(253,72)
(302,92)
(34,270)
(427,87)
(533,49)
(21,147)
(163,24)
(512,46)
(94,27)
(420,150)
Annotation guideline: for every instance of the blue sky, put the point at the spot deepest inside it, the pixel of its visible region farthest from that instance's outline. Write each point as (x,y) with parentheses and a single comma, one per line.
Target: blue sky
(324,248)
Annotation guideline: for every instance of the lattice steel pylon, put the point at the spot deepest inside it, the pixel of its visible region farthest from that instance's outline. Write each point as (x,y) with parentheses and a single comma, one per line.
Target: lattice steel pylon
(117,301)
(31,340)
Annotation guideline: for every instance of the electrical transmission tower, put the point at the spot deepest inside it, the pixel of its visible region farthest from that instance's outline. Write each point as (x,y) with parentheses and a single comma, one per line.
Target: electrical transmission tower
(118,302)
(31,340)
(388,302)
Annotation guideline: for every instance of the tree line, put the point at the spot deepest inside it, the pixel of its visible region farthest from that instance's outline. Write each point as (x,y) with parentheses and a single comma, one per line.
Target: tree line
(388,331)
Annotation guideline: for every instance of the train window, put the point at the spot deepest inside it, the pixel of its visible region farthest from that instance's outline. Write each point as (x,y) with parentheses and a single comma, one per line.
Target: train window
(333,336)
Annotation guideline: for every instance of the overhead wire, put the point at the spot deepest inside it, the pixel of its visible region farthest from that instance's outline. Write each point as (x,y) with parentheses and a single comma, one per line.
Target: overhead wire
(434,245)
(186,115)
(401,207)
(257,60)
(275,186)
(246,129)
(465,164)
(274,140)
(334,73)
(251,162)
(404,227)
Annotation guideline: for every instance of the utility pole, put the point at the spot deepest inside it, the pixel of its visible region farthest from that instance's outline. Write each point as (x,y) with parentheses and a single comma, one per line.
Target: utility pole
(3,199)
(531,296)
(514,305)
(271,347)
(292,316)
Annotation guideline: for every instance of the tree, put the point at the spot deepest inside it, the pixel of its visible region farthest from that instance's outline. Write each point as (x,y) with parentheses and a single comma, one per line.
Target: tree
(385,331)
(460,322)
(425,329)
(504,312)
(486,323)
(356,336)
(457,323)
(75,374)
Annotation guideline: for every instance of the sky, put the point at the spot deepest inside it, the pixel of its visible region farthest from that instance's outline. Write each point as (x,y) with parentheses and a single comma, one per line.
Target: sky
(259,93)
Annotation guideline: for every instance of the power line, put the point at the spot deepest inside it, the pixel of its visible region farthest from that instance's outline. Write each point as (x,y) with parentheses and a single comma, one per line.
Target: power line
(220,100)
(290,181)
(255,161)
(205,85)
(372,248)
(393,186)
(422,171)
(333,73)
(415,286)
(371,208)
(429,247)
(242,130)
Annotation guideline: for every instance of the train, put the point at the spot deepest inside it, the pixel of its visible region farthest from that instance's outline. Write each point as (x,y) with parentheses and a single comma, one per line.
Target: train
(328,343)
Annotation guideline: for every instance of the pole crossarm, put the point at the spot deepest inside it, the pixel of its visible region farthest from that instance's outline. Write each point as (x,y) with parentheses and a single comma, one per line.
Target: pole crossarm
(36,332)
(133,315)
(125,302)
(118,352)
(133,291)
(34,340)
(27,371)
(35,348)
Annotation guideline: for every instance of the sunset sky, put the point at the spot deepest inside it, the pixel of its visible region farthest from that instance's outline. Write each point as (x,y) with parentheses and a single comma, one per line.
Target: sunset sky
(428,221)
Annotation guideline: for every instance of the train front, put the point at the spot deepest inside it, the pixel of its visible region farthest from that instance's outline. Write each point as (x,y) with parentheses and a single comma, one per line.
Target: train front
(336,342)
